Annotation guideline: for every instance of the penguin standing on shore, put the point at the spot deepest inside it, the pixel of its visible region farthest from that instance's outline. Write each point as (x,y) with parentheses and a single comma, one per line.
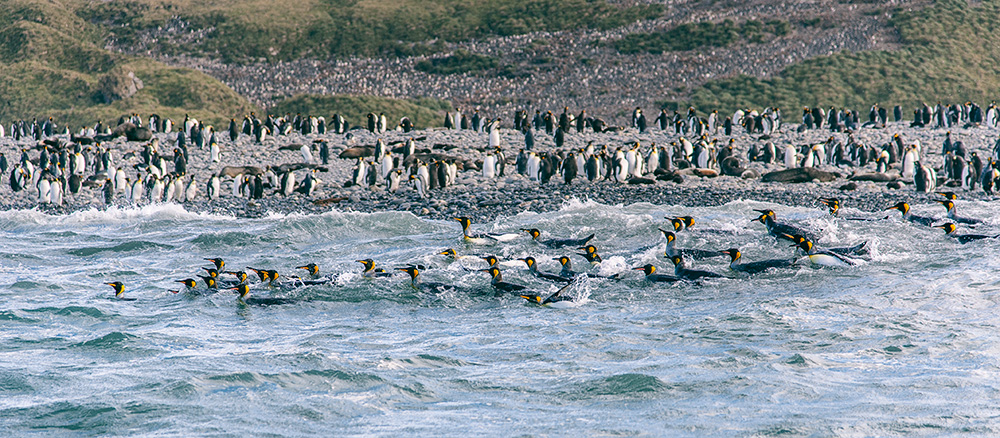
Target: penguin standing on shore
(494,130)
(593,168)
(213,189)
(569,169)
(109,191)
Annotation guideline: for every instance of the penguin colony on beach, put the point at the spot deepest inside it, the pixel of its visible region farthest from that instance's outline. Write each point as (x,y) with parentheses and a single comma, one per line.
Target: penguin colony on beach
(217,278)
(160,166)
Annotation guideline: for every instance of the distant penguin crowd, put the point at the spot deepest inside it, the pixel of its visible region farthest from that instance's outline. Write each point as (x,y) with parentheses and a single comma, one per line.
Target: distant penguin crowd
(138,160)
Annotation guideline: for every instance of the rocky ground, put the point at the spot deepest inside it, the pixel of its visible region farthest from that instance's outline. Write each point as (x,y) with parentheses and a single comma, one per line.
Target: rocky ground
(572,67)
(484,199)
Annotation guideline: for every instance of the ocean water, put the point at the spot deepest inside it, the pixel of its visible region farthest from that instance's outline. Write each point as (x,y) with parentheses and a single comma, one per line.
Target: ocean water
(904,344)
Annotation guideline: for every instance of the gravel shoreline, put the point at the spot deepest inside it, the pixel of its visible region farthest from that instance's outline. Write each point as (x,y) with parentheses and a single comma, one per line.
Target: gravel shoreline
(487,199)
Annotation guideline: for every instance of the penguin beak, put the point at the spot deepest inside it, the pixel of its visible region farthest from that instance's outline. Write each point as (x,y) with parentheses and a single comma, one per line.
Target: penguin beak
(892,208)
(640,268)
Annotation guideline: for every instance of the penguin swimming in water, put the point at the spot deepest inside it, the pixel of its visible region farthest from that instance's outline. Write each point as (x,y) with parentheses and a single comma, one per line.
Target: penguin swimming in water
(590,253)
(820,257)
(671,250)
(556,300)
(567,267)
(189,284)
(652,276)
(313,277)
(904,208)
(950,205)
(533,269)
(681,271)
(557,243)
(502,286)
(436,288)
(949,229)
(244,298)
(218,262)
(754,267)
(680,223)
(370,271)
(778,229)
(119,288)
(481,238)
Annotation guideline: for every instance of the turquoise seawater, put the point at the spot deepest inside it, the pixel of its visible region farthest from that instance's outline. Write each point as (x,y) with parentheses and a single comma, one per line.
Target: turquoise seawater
(904,344)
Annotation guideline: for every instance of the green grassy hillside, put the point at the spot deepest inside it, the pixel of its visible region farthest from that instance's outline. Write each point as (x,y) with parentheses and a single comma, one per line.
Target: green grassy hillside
(240,31)
(950,52)
(422,112)
(690,36)
(52,63)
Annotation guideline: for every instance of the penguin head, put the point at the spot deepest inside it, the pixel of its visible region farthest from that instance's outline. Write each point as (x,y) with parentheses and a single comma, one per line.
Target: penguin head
(190,283)
(589,249)
(647,269)
(261,274)
(492,260)
(902,206)
(803,243)
(119,288)
(412,270)
(533,232)
(240,275)
(367,263)
(796,238)
(947,203)
(311,268)
(951,196)
(212,272)
(466,222)
(494,272)
(832,203)
(688,221)
(530,261)
(563,260)
(669,235)
(733,253)
(677,260)
(448,252)
(533,298)
(209,281)
(948,227)
(243,290)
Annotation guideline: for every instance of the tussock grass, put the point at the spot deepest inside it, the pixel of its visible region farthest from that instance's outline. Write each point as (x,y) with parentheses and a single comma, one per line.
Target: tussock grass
(949,53)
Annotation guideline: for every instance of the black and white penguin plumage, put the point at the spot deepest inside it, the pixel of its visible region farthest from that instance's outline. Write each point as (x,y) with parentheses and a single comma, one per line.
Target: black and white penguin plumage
(324,152)
(569,168)
(593,168)
(392,180)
